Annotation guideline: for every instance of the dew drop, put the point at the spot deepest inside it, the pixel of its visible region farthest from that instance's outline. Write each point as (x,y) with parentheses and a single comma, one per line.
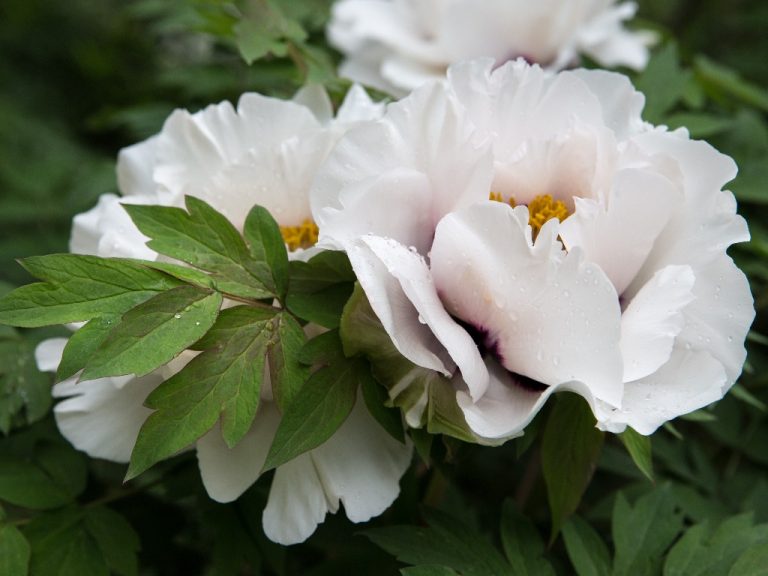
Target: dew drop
(177,316)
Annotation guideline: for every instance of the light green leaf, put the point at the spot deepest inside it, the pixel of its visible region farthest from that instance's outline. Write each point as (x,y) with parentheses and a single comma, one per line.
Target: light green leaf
(320,408)
(78,288)
(116,539)
(522,544)
(639,448)
(445,542)
(155,332)
(641,533)
(14,552)
(266,245)
(570,448)
(586,549)
(205,239)
(224,381)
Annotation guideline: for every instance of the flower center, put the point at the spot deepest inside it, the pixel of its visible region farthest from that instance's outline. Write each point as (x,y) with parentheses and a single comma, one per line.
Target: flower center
(540,210)
(302,236)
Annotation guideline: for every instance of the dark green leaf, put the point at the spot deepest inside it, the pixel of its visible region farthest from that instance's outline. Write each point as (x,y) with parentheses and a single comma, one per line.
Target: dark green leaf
(641,533)
(586,549)
(522,544)
(83,343)
(318,410)
(155,332)
(266,244)
(115,538)
(639,448)
(446,542)
(753,562)
(376,398)
(61,545)
(570,448)
(14,552)
(428,570)
(224,381)
(205,239)
(78,288)
(320,288)
(22,385)
(726,81)
(287,372)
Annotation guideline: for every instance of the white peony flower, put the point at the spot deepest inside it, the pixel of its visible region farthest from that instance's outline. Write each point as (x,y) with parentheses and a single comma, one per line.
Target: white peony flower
(598,266)
(396,45)
(264,152)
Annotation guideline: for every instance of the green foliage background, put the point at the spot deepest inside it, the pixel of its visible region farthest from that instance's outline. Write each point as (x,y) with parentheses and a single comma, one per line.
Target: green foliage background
(81,79)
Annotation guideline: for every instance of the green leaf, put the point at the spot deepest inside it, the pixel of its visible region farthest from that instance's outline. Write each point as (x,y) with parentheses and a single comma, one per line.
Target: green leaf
(78,288)
(753,562)
(266,245)
(205,239)
(428,570)
(522,544)
(586,549)
(22,385)
(54,477)
(319,409)
(724,81)
(266,30)
(155,332)
(639,448)
(115,538)
(184,273)
(375,396)
(320,288)
(61,545)
(82,345)
(663,82)
(14,552)
(287,372)
(445,542)
(224,381)
(704,552)
(641,533)
(570,448)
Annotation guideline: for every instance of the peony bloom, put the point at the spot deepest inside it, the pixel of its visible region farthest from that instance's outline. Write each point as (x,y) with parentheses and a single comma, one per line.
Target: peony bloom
(264,152)
(396,45)
(539,236)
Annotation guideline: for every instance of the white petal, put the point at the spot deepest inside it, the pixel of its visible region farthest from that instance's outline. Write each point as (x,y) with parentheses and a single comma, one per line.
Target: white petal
(361,465)
(316,98)
(653,319)
(358,107)
(297,502)
(228,472)
(135,168)
(397,313)
(48,354)
(619,237)
(548,317)
(413,275)
(103,419)
(689,381)
(508,406)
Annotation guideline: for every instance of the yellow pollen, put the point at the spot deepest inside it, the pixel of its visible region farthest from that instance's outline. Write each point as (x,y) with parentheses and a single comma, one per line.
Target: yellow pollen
(540,210)
(302,236)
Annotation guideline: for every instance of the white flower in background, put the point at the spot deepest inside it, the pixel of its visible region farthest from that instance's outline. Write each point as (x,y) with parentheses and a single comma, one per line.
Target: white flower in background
(539,236)
(264,152)
(396,45)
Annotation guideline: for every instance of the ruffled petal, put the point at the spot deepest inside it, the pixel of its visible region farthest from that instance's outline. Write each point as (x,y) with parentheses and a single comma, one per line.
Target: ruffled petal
(297,502)
(688,381)
(228,472)
(361,466)
(653,319)
(545,315)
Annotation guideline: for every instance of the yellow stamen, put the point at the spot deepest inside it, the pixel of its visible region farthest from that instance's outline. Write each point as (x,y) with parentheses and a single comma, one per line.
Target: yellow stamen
(302,236)
(541,209)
